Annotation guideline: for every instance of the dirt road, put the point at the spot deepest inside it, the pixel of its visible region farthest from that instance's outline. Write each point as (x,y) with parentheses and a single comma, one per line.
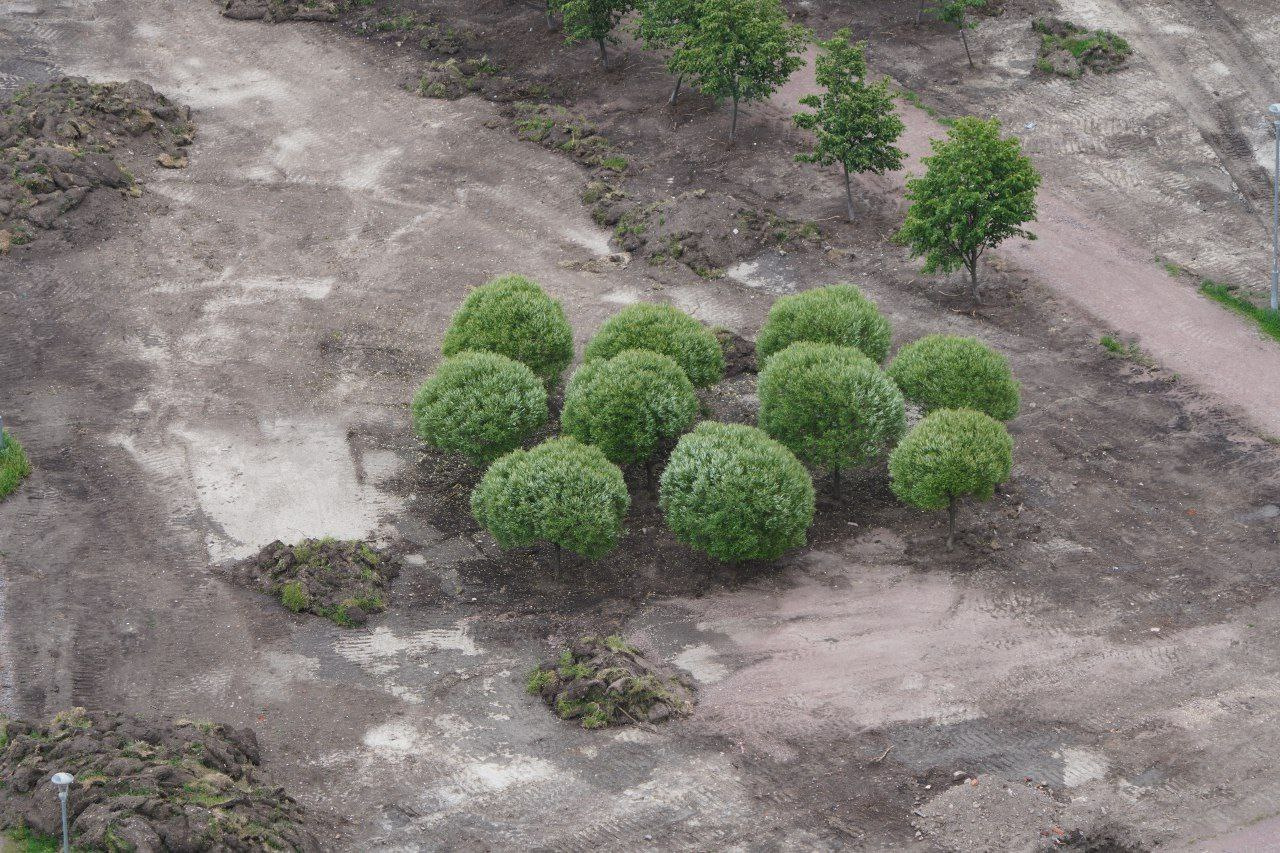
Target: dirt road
(1117,282)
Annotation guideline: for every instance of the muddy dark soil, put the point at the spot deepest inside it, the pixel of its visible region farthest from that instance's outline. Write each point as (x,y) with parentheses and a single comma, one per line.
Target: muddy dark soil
(346,581)
(143,784)
(61,140)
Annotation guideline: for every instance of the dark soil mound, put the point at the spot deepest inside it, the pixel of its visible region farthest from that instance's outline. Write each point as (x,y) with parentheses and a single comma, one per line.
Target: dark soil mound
(57,142)
(145,785)
(345,581)
(1068,49)
(606,682)
(280,10)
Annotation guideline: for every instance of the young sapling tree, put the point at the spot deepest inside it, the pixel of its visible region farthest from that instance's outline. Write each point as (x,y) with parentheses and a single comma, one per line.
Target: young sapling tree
(957,12)
(740,50)
(594,20)
(978,190)
(854,121)
(664,25)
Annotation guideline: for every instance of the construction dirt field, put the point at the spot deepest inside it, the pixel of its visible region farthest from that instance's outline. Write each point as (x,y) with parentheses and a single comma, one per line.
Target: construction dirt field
(228,358)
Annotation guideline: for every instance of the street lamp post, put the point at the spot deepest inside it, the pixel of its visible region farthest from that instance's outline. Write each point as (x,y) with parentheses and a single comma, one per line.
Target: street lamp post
(1274,109)
(63,782)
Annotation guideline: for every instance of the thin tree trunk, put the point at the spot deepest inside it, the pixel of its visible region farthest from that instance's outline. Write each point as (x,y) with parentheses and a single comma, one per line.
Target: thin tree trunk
(604,54)
(920,14)
(675,91)
(975,287)
(733,125)
(558,549)
(964,38)
(848,194)
(551,19)
(951,524)
(835,482)
(648,475)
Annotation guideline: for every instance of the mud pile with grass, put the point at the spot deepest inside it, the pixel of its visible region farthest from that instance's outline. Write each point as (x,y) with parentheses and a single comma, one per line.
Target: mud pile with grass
(343,580)
(59,141)
(1069,50)
(604,681)
(282,10)
(145,785)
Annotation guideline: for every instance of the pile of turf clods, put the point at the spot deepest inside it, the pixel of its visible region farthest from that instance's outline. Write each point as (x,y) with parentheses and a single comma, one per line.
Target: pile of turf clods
(144,784)
(343,580)
(604,681)
(60,140)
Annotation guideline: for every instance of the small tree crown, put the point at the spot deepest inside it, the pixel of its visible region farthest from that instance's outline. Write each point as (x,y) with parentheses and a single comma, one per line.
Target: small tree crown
(662,329)
(952,372)
(512,316)
(735,493)
(830,405)
(629,404)
(562,492)
(838,314)
(951,454)
(479,404)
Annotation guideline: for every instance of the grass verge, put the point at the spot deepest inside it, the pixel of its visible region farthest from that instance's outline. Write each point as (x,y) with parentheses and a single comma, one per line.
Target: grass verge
(14,465)
(1266,319)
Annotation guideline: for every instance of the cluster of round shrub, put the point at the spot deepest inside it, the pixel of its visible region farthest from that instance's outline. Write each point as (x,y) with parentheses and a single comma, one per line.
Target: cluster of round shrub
(736,492)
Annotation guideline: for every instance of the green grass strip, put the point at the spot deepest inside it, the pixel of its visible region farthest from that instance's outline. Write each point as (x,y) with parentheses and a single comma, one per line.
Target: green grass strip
(14,465)
(1268,321)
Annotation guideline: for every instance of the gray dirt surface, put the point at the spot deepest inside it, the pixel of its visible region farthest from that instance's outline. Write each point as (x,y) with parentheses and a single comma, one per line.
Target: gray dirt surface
(228,361)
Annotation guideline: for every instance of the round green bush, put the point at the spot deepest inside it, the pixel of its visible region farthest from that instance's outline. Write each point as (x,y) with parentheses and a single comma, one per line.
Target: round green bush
(735,493)
(512,316)
(662,329)
(950,455)
(951,372)
(479,404)
(629,404)
(562,492)
(838,314)
(830,405)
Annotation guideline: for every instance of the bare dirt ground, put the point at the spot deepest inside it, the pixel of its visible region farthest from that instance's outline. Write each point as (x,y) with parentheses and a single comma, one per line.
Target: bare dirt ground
(228,360)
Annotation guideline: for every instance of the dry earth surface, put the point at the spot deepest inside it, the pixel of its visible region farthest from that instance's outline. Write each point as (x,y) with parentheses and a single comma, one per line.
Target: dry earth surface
(228,360)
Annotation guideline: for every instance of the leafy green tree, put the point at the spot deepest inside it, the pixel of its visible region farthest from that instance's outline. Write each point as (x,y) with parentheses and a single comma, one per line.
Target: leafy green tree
(512,316)
(664,25)
(740,50)
(629,405)
(479,404)
(662,329)
(838,314)
(561,492)
(951,372)
(950,455)
(735,493)
(978,190)
(831,406)
(957,12)
(594,20)
(854,121)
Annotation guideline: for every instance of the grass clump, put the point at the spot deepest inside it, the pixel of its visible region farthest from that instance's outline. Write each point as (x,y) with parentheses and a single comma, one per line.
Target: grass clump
(1224,294)
(14,464)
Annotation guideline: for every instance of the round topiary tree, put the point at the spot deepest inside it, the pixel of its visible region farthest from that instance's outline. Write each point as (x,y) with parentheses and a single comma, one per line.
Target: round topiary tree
(831,406)
(951,372)
(735,493)
(562,492)
(479,404)
(950,455)
(662,329)
(512,316)
(628,405)
(838,314)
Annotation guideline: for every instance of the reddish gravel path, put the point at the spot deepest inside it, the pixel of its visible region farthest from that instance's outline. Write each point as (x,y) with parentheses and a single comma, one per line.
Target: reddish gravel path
(1117,283)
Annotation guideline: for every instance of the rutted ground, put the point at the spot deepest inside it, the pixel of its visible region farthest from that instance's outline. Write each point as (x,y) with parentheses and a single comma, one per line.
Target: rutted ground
(232,362)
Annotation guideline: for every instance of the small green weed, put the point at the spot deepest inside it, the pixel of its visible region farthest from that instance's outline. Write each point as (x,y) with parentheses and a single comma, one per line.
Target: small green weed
(14,464)
(294,597)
